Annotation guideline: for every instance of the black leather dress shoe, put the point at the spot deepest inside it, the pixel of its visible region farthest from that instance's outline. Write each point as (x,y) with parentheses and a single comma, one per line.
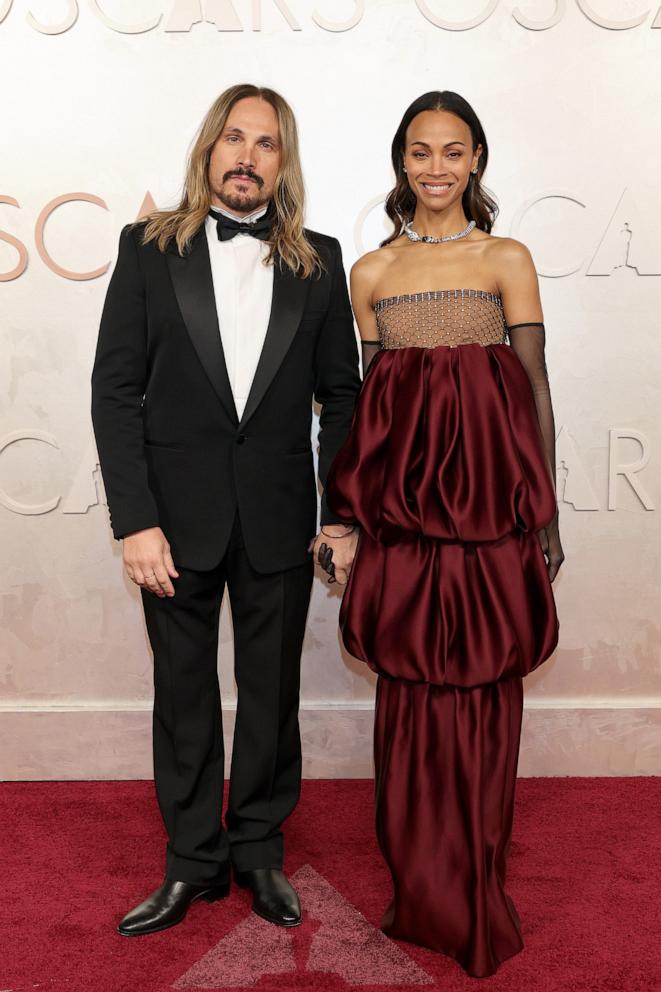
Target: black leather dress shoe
(274,899)
(167,906)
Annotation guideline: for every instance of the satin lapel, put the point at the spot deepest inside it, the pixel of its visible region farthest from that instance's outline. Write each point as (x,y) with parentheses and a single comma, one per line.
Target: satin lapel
(193,287)
(289,296)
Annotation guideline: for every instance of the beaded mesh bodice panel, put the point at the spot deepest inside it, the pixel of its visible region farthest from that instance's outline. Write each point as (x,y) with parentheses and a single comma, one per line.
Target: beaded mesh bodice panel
(441,317)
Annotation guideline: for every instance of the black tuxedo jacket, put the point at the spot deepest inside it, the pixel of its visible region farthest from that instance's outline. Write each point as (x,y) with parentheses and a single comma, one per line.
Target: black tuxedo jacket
(172,450)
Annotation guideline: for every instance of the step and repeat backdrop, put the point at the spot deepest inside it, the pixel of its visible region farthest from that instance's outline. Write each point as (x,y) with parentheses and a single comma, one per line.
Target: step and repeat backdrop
(100,102)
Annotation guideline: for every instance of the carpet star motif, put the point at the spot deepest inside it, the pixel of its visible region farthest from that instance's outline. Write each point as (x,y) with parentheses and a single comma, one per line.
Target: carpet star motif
(345,945)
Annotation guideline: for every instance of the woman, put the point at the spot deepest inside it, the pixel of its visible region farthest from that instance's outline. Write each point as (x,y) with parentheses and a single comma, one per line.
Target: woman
(449,472)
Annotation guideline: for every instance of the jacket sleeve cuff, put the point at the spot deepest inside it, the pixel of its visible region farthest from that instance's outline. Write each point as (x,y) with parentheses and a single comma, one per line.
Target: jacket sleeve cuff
(120,531)
(326,515)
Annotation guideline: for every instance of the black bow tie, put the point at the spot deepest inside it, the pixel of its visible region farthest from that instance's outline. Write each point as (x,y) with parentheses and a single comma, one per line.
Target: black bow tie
(228,228)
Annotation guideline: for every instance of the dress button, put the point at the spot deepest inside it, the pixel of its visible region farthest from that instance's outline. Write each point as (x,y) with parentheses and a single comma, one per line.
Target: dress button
(241,438)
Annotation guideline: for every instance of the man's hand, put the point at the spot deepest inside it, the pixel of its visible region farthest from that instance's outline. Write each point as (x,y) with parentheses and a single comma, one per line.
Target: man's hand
(148,561)
(343,542)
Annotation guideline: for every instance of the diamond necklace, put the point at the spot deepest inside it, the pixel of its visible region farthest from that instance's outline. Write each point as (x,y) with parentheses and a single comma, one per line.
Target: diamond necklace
(428,239)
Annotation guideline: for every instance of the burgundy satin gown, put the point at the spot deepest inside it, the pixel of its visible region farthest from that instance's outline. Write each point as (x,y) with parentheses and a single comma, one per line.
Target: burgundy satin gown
(450,603)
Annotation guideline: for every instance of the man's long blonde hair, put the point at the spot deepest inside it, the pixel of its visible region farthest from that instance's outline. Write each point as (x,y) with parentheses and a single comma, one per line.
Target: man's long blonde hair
(288,238)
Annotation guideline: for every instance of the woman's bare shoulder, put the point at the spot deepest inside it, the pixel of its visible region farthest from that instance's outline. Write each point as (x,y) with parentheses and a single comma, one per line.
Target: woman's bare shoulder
(372,264)
(508,251)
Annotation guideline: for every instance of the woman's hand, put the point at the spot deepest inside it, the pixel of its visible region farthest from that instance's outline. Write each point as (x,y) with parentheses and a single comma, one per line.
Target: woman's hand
(549,538)
(343,542)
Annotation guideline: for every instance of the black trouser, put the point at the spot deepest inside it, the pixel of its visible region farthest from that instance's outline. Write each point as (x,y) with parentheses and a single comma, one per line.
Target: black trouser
(269,614)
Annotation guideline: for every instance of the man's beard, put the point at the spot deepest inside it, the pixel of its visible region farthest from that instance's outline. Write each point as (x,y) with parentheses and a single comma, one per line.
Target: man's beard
(243,202)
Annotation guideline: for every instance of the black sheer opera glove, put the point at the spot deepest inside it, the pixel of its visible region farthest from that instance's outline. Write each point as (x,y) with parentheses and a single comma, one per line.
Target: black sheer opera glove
(368,350)
(528,340)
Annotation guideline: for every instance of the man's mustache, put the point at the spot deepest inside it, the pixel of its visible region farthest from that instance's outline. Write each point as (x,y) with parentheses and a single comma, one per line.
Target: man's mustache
(244,172)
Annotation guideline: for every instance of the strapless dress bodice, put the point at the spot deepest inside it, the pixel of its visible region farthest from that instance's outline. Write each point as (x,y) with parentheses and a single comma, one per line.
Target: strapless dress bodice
(441,317)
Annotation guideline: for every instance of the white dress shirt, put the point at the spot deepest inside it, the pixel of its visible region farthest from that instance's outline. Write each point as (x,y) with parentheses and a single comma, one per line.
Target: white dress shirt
(243,288)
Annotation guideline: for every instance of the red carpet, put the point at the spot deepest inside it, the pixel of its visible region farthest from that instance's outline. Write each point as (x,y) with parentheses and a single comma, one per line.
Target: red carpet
(585,875)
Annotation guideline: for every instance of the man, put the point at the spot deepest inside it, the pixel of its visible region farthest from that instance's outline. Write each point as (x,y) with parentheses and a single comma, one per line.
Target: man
(223,318)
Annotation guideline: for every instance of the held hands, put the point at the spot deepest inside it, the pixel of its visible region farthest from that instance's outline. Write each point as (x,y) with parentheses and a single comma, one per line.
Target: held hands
(340,543)
(148,561)
(549,538)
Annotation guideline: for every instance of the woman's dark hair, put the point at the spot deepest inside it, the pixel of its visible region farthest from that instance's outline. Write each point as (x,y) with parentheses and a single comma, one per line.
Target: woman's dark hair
(401,201)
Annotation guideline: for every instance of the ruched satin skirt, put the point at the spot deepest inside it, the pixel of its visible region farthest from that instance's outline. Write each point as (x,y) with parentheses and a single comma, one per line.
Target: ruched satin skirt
(450,603)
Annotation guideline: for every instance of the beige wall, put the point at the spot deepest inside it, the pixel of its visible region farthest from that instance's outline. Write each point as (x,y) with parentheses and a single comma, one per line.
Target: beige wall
(566,104)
